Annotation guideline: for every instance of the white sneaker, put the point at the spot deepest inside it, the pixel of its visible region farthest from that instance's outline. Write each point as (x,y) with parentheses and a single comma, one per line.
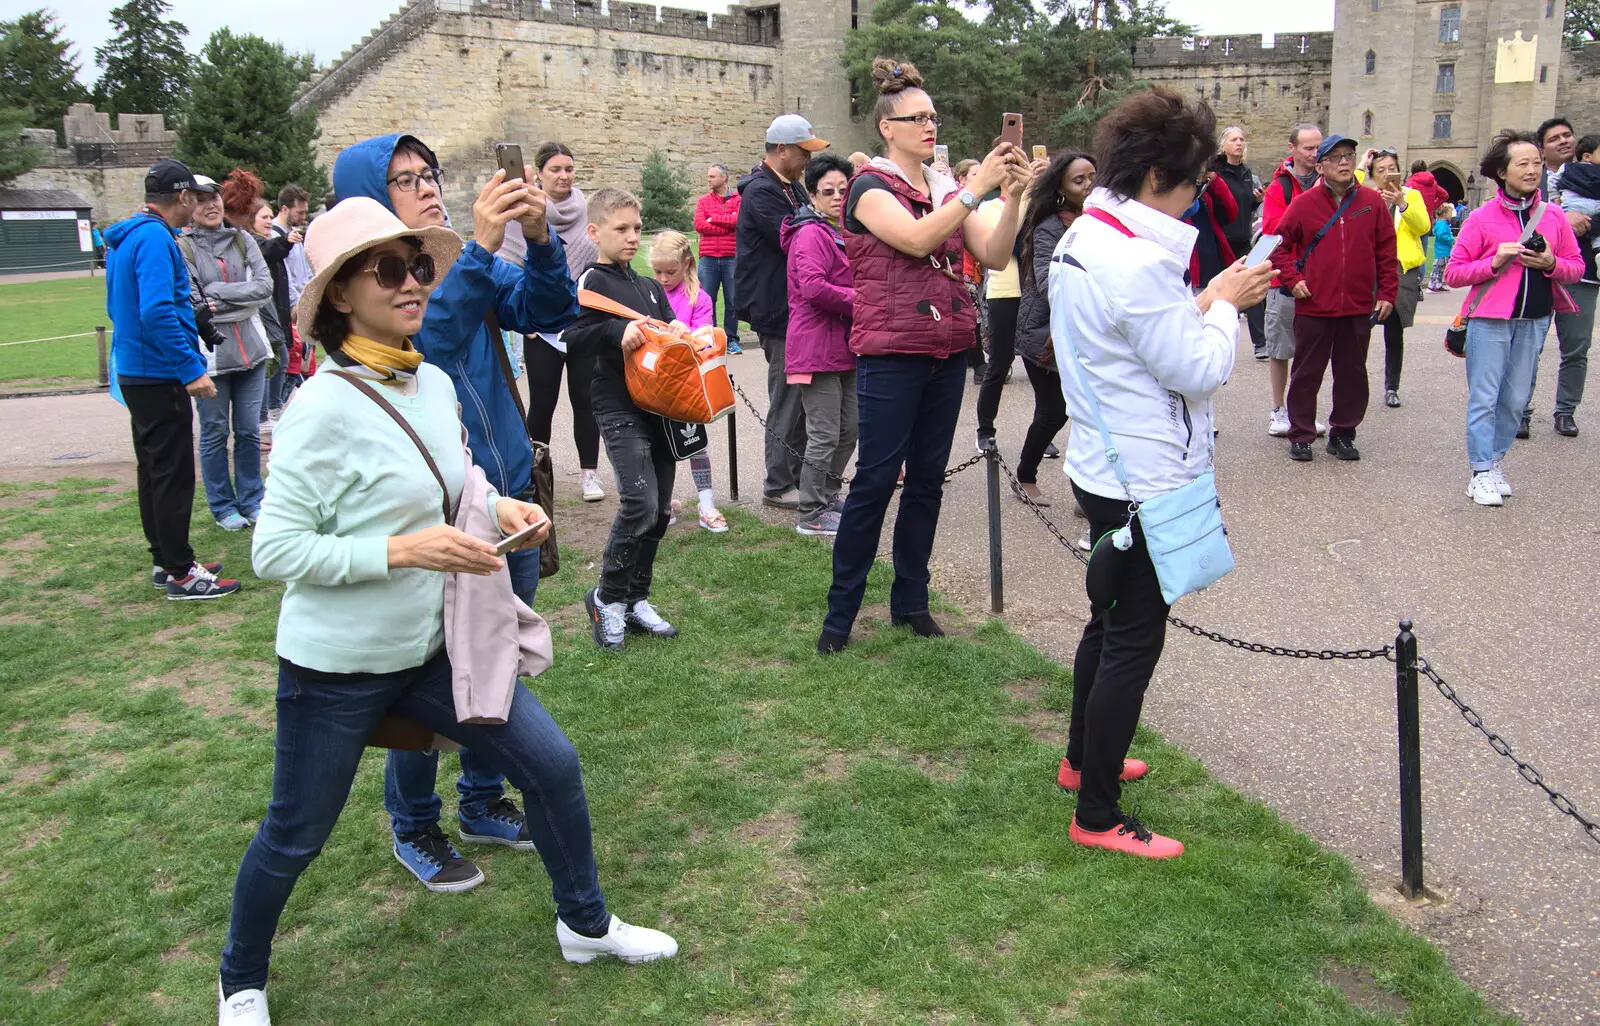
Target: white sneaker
(1322,429)
(245,1008)
(632,944)
(1084,544)
(1483,490)
(642,618)
(1499,474)
(1278,426)
(592,492)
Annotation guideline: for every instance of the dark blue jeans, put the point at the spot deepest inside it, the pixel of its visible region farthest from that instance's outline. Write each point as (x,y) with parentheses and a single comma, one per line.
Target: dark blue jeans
(907,408)
(410,778)
(715,273)
(324,720)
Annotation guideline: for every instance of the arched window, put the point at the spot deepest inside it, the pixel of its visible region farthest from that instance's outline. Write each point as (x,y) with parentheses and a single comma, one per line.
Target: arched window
(1372,62)
(1366,123)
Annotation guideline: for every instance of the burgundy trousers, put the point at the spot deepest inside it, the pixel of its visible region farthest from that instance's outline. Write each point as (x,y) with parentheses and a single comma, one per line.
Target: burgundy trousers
(1317,342)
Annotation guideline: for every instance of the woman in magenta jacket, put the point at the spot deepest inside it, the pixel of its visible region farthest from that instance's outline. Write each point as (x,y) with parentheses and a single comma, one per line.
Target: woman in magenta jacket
(1517,287)
(818,359)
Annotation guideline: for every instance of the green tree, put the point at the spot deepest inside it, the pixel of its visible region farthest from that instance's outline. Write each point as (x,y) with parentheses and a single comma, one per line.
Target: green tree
(145,68)
(238,115)
(665,196)
(15,158)
(1581,24)
(38,69)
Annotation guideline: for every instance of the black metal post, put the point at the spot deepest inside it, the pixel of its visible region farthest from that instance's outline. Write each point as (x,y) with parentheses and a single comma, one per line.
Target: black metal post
(104,370)
(1405,676)
(997,589)
(733,453)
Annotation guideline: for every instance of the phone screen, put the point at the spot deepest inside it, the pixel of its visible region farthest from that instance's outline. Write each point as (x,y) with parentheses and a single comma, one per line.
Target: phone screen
(1011,129)
(941,153)
(1262,250)
(509,157)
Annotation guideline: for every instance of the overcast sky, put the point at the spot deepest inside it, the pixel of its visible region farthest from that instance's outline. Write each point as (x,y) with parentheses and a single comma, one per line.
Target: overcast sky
(326,30)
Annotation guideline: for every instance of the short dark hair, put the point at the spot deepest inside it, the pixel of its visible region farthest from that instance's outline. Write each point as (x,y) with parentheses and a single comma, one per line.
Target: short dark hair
(821,164)
(1498,157)
(549,151)
(1418,166)
(292,194)
(1546,125)
(773,147)
(411,144)
(1154,130)
(1587,145)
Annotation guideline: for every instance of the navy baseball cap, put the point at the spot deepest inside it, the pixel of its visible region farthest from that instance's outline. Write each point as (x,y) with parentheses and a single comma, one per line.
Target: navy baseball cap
(168,176)
(1331,143)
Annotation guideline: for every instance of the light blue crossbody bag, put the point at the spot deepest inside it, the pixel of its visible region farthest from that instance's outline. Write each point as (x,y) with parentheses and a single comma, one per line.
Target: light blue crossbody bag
(1183,529)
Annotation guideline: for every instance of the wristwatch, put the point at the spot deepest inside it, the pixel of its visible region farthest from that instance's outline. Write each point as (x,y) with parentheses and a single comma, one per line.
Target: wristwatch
(967,199)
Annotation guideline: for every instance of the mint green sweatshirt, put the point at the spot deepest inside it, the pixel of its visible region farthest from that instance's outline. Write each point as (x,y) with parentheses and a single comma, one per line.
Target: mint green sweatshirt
(343,479)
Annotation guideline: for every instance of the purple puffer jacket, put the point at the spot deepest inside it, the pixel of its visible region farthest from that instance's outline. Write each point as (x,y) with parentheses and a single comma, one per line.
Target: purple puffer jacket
(821,295)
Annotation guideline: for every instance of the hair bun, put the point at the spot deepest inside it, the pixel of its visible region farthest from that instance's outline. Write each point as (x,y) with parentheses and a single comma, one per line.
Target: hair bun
(892,76)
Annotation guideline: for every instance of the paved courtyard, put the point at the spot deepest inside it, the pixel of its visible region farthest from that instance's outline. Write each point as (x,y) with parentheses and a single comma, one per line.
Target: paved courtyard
(1330,555)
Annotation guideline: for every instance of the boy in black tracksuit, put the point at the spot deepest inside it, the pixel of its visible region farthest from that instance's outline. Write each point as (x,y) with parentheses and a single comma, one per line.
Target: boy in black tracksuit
(636,441)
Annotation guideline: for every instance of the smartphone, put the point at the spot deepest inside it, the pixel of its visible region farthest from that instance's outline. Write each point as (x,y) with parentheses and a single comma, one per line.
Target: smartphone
(515,541)
(941,154)
(1262,250)
(1040,153)
(509,158)
(1011,129)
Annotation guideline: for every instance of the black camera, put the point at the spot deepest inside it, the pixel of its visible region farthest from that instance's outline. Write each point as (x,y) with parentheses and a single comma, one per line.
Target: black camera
(1536,243)
(210,334)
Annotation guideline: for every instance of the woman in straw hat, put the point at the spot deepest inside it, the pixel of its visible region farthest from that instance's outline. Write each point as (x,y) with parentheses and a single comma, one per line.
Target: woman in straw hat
(354,523)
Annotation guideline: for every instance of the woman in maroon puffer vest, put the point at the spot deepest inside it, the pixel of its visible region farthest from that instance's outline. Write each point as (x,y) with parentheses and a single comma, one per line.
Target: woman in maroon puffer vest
(905,228)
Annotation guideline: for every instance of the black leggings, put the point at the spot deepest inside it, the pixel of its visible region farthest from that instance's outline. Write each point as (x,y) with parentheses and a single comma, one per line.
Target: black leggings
(1049,417)
(1002,349)
(1394,351)
(1120,648)
(545,363)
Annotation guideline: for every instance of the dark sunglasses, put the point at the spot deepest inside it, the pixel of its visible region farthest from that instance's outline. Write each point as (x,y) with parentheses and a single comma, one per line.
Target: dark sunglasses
(391,270)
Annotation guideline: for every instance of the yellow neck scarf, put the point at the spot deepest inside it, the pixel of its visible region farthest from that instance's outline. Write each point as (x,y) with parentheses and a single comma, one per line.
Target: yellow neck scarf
(380,358)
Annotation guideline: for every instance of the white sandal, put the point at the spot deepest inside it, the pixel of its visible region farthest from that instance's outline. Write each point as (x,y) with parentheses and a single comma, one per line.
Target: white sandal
(714,521)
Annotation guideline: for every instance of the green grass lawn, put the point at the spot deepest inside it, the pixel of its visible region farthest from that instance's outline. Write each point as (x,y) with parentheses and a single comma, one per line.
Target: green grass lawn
(44,309)
(873,838)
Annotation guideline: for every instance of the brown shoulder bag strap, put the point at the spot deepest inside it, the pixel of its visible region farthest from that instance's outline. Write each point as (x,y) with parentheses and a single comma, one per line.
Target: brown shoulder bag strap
(375,396)
(506,372)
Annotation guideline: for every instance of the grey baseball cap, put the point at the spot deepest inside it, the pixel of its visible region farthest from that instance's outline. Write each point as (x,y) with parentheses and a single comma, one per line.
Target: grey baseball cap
(794,130)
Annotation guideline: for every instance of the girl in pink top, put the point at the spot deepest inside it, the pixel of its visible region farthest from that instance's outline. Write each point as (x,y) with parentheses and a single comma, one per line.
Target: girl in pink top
(672,262)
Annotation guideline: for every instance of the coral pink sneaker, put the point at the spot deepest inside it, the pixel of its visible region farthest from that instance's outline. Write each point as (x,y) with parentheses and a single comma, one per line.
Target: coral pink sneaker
(1131,838)
(1070,779)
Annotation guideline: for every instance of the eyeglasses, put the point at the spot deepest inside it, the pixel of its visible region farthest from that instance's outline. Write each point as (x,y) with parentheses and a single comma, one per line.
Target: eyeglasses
(391,270)
(411,181)
(1345,157)
(920,120)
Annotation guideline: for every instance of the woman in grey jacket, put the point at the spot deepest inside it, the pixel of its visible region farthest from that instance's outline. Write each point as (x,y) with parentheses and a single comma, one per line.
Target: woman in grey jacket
(1055,202)
(231,275)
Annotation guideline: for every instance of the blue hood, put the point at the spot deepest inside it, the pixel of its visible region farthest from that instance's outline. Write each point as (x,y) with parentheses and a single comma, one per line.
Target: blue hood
(119,231)
(363,169)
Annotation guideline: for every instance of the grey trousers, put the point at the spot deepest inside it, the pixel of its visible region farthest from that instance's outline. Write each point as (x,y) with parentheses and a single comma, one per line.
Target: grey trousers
(1574,331)
(830,408)
(787,420)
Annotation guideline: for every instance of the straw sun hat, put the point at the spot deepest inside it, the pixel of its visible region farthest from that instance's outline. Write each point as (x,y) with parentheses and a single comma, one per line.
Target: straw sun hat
(354,225)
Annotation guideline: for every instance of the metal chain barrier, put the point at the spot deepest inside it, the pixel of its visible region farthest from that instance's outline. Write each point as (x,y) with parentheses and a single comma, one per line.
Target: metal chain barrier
(1526,770)
(827,471)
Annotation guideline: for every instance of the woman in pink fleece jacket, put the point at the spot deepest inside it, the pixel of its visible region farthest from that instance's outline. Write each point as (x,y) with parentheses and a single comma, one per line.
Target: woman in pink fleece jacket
(672,262)
(1517,279)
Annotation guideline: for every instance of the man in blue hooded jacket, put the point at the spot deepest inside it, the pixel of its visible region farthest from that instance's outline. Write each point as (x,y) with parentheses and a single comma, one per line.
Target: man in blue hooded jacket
(402,173)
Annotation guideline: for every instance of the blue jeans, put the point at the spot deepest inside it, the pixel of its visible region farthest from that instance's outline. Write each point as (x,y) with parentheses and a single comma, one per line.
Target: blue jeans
(410,778)
(277,391)
(715,273)
(324,720)
(907,408)
(237,402)
(1501,357)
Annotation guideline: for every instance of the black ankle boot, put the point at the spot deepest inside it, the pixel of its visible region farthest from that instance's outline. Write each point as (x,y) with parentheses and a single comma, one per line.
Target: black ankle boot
(923,624)
(832,644)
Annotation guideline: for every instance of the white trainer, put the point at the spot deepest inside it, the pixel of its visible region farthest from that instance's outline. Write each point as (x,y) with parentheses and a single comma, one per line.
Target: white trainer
(632,944)
(1322,429)
(244,1008)
(642,618)
(1500,482)
(1278,426)
(1483,490)
(592,492)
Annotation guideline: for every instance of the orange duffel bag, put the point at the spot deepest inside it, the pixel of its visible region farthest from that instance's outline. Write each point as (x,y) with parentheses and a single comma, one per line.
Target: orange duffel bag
(678,374)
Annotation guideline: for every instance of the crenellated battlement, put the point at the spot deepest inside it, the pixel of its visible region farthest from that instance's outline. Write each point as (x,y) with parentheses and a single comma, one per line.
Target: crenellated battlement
(1233,49)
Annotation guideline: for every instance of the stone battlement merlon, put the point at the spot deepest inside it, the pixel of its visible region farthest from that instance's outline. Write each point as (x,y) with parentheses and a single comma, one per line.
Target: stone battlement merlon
(1232,49)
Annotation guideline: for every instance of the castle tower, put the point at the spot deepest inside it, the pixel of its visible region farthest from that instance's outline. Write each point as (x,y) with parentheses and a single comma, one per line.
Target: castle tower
(814,81)
(1436,80)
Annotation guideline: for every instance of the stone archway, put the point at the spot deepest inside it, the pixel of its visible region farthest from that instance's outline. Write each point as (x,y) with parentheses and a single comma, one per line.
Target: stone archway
(1450,180)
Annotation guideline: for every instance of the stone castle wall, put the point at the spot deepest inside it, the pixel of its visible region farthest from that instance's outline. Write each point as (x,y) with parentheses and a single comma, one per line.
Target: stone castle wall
(112,192)
(1578,90)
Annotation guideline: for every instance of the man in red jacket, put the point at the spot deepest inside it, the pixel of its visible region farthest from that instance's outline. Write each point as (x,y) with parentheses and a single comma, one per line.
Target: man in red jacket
(1338,260)
(716,216)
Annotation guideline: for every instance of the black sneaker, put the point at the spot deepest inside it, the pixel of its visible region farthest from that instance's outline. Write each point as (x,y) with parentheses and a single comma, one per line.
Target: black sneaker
(431,858)
(607,619)
(1525,429)
(200,584)
(1300,452)
(1261,352)
(923,625)
(832,644)
(1051,452)
(1566,425)
(159,577)
(1343,447)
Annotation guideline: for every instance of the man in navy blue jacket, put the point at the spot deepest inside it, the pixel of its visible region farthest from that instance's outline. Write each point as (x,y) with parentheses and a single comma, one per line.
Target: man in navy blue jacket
(402,173)
(155,354)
